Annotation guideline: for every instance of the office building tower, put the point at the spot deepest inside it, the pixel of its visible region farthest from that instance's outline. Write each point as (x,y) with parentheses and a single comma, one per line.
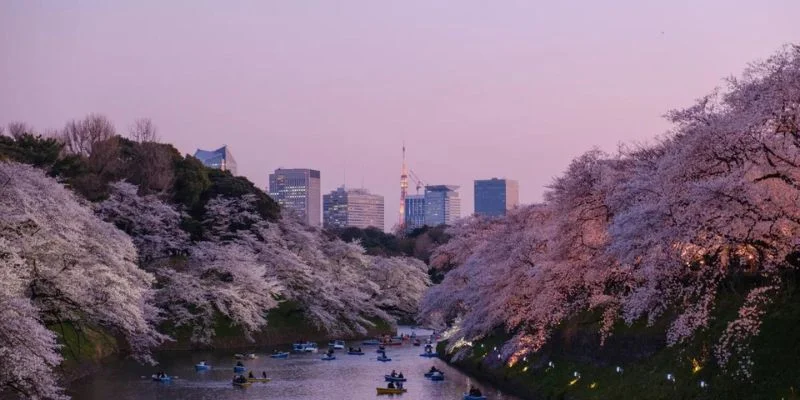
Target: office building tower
(298,190)
(414,211)
(442,205)
(493,197)
(352,207)
(220,158)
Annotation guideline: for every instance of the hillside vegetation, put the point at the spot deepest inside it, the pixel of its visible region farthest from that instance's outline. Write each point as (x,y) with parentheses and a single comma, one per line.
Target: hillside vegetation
(110,243)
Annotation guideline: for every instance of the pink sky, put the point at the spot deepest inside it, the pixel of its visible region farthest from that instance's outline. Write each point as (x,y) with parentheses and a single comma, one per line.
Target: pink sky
(476,89)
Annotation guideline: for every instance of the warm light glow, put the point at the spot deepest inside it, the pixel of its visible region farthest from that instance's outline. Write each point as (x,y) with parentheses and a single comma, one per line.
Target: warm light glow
(593,385)
(525,369)
(696,367)
(574,381)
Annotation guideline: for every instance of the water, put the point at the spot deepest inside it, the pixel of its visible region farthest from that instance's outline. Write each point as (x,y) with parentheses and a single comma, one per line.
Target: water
(300,377)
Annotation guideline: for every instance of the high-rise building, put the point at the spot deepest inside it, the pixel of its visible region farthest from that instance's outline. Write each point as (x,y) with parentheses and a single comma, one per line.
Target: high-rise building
(493,197)
(414,211)
(442,205)
(352,207)
(220,158)
(298,189)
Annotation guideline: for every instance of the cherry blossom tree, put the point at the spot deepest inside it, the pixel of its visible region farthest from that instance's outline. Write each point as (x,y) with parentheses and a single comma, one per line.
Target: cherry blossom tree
(62,263)
(658,227)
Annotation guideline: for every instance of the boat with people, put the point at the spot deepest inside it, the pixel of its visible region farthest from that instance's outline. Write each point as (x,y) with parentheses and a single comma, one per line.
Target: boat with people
(390,378)
(371,342)
(280,354)
(202,366)
(337,344)
(328,357)
(239,367)
(261,380)
(383,358)
(161,377)
(429,354)
(355,351)
(240,381)
(305,347)
(238,356)
(437,376)
(474,394)
(252,356)
(391,391)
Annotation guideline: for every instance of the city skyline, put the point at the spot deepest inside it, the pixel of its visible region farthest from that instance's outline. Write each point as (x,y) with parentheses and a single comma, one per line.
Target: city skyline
(473,91)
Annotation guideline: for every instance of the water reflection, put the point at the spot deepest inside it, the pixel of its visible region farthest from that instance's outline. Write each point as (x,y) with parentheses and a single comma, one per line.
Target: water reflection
(299,377)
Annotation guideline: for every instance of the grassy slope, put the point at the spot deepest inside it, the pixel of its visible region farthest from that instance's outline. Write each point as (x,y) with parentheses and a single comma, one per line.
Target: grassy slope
(285,324)
(775,375)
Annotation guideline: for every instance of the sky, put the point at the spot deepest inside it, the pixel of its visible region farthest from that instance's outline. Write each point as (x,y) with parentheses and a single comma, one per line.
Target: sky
(475,89)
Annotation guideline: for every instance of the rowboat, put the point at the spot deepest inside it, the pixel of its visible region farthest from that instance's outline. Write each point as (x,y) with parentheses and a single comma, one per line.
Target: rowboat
(202,367)
(328,358)
(429,354)
(239,368)
(437,377)
(384,358)
(430,374)
(355,353)
(390,378)
(242,384)
(391,391)
(336,344)
(162,379)
(371,342)
(283,354)
(469,397)
(307,347)
(262,380)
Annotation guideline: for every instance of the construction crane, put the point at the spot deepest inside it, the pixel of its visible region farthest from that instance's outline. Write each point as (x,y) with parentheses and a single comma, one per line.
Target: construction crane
(420,183)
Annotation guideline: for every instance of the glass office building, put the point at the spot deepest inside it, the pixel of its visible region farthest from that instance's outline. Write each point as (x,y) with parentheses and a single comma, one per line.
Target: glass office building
(220,158)
(298,190)
(442,205)
(352,207)
(493,197)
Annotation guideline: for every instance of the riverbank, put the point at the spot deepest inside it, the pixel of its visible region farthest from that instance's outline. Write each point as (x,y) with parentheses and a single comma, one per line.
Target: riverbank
(86,349)
(635,362)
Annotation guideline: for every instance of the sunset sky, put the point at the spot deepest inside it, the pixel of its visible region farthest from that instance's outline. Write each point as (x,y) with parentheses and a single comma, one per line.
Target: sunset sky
(475,89)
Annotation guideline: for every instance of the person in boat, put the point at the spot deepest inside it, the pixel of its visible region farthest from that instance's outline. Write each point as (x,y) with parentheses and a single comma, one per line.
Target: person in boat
(202,362)
(473,391)
(359,349)
(275,351)
(393,374)
(400,375)
(264,374)
(239,364)
(251,375)
(330,352)
(432,370)
(390,385)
